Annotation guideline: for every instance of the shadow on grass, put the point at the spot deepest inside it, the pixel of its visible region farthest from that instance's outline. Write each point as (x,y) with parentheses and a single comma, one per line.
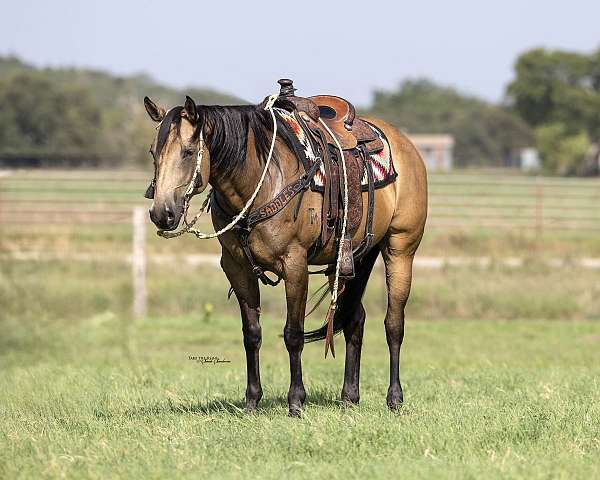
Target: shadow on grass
(236,407)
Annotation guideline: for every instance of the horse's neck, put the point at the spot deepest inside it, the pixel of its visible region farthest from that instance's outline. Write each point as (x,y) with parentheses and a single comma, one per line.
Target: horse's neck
(237,189)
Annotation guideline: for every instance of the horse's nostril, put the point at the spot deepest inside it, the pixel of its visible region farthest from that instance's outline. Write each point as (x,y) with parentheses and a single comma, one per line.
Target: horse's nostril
(170,214)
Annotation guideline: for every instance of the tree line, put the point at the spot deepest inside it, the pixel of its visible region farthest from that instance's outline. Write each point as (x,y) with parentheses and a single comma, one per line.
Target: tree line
(552,104)
(80,117)
(58,117)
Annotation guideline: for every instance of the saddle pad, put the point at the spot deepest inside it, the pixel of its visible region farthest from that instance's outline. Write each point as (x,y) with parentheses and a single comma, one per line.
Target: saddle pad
(384,172)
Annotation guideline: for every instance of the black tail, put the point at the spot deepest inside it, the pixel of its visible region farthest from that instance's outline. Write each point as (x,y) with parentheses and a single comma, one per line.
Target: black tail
(349,300)
(322,292)
(319,333)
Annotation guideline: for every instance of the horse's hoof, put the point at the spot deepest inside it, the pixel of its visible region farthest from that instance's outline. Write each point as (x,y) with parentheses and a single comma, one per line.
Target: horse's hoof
(350,398)
(395,399)
(295,412)
(252,399)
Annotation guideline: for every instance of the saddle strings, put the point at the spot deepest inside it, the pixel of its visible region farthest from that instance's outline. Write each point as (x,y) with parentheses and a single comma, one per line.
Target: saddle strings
(336,280)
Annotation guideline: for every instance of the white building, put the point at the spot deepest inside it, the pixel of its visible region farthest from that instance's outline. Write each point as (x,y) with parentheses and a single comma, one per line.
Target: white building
(436,150)
(530,159)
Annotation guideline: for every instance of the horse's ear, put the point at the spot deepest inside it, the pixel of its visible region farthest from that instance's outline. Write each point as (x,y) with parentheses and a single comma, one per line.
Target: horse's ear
(156,113)
(190,111)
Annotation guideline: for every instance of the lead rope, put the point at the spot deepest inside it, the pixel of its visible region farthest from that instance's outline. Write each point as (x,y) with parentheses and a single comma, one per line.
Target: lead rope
(188,227)
(334,290)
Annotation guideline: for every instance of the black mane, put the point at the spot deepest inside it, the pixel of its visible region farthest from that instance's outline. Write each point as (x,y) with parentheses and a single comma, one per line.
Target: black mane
(228,137)
(172,116)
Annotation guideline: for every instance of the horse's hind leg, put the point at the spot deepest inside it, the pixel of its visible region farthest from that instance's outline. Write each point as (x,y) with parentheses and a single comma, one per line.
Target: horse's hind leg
(353,313)
(398,271)
(245,287)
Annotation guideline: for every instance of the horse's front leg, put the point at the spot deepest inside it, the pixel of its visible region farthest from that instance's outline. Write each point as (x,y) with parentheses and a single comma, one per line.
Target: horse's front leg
(296,289)
(245,287)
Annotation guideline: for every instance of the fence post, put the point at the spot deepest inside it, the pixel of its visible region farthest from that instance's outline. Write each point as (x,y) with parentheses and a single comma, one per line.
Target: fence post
(138,262)
(539,209)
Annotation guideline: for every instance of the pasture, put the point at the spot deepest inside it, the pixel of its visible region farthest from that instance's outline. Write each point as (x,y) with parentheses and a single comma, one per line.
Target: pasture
(98,396)
(500,365)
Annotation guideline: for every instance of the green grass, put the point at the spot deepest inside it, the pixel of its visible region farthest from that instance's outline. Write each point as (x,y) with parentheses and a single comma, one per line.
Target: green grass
(506,386)
(87,393)
(104,398)
(58,292)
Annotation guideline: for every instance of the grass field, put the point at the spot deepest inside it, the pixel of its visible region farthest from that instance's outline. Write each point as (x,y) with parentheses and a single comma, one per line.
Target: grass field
(87,393)
(500,365)
(102,398)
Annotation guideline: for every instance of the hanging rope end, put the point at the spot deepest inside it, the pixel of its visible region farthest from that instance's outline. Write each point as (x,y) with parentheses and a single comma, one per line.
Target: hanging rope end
(329,335)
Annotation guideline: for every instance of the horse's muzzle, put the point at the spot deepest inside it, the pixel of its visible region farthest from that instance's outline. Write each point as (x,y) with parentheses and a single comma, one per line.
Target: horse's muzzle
(165,216)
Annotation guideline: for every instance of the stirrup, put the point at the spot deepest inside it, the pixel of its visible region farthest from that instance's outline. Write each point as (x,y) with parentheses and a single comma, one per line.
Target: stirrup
(347,260)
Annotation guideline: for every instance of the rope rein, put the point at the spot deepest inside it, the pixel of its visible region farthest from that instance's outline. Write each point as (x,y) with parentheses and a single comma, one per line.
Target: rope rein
(189,226)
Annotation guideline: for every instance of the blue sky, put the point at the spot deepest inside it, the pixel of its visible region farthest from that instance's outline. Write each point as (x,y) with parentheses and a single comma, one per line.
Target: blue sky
(244,47)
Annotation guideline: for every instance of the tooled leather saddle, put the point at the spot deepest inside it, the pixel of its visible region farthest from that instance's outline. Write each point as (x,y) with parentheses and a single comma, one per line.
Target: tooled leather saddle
(357,141)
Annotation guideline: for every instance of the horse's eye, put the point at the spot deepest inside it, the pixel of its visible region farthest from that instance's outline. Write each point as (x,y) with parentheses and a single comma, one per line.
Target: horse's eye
(188,152)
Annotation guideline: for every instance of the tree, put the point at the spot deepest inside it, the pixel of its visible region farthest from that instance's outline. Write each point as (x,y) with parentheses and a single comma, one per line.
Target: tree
(485,134)
(558,93)
(563,153)
(43,120)
(81,116)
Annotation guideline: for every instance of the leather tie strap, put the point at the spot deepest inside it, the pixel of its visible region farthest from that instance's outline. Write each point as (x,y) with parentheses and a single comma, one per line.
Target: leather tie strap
(365,244)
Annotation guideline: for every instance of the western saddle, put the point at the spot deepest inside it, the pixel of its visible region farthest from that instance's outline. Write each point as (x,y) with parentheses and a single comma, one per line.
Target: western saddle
(338,113)
(358,141)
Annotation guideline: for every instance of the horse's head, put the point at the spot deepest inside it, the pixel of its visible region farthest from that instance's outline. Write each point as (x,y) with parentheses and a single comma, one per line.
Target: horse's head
(175,150)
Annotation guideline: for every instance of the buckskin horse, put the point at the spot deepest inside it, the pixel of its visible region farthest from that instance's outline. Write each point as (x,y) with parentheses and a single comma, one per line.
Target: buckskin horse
(283,158)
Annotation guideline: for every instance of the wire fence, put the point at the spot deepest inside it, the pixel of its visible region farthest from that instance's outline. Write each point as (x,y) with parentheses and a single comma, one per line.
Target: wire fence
(459,201)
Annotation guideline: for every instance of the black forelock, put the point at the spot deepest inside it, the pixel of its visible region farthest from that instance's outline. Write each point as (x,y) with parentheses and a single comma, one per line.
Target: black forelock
(173,115)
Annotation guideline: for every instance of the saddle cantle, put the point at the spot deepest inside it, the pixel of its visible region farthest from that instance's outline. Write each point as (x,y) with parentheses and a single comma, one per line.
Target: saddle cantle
(357,140)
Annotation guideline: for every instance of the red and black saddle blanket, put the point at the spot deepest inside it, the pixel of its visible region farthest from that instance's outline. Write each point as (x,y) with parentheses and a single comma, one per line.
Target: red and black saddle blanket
(381,162)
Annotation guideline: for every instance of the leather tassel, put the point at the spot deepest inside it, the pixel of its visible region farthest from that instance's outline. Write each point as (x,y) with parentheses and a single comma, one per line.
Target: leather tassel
(329,336)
